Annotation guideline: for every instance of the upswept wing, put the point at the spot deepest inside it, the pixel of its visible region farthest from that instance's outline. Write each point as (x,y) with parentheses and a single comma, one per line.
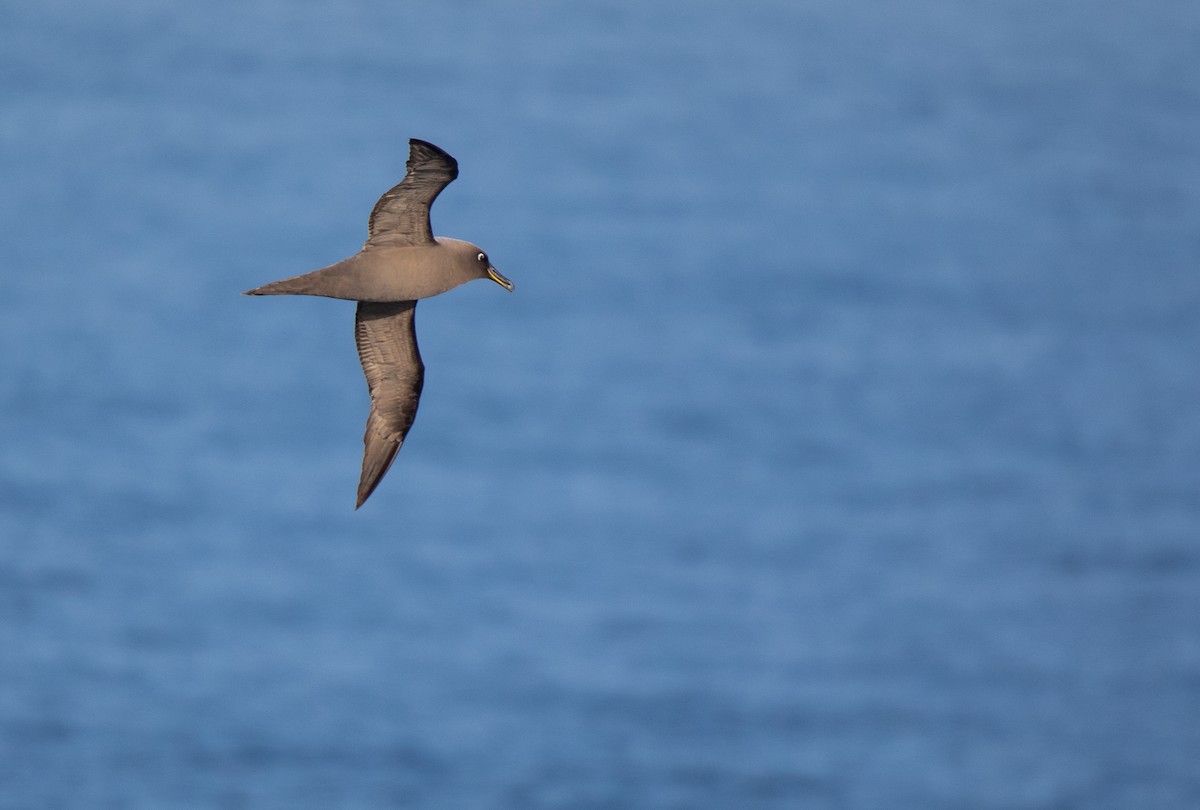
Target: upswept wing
(401,217)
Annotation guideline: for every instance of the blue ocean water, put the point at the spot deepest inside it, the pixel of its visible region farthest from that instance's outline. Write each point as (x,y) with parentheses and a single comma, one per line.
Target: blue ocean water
(840,447)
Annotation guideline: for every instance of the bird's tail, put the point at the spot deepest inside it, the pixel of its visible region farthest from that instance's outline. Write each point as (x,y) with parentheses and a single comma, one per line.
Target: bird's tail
(334,281)
(297,285)
(380,446)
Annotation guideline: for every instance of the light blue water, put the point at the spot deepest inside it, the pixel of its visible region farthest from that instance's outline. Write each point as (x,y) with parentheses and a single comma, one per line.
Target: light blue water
(840,447)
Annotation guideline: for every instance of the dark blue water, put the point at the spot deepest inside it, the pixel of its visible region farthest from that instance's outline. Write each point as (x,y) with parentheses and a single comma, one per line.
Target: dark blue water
(839,449)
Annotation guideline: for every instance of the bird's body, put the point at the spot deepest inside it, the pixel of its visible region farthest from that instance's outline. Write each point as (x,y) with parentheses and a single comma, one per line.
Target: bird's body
(400,263)
(385,274)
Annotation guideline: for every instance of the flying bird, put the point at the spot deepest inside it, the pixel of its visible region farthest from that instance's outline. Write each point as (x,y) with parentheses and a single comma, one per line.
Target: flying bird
(401,262)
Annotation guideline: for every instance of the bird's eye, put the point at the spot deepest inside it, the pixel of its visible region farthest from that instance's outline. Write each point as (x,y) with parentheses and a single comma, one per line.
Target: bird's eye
(482,257)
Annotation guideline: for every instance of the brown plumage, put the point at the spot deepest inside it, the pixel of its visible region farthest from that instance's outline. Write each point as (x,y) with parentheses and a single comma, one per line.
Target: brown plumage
(401,262)
(387,349)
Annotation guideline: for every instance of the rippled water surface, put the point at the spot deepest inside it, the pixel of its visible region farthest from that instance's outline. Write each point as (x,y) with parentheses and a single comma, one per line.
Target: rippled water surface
(840,446)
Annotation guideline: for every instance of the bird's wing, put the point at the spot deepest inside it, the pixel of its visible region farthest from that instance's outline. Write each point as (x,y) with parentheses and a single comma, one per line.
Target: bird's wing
(387,347)
(401,217)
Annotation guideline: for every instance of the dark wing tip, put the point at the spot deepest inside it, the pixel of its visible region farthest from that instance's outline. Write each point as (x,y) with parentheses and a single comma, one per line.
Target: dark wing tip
(426,146)
(422,153)
(378,454)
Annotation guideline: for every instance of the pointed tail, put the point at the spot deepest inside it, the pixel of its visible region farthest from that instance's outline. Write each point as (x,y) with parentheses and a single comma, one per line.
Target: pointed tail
(297,285)
(335,281)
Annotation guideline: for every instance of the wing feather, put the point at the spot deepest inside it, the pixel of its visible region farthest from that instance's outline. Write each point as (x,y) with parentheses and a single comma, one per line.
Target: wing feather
(401,216)
(387,347)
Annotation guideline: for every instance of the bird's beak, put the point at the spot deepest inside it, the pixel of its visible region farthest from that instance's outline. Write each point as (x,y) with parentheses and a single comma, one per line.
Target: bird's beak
(499,279)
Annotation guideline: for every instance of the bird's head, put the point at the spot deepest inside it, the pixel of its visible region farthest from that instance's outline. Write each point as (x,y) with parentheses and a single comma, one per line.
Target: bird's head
(475,261)
(484,265)
(467,262)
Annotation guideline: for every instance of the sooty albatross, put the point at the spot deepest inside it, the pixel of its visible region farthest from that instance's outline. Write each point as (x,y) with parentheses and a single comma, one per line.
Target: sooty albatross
(401,262)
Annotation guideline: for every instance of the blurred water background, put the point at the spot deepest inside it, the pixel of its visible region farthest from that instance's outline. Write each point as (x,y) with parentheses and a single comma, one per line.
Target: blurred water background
(840,447)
